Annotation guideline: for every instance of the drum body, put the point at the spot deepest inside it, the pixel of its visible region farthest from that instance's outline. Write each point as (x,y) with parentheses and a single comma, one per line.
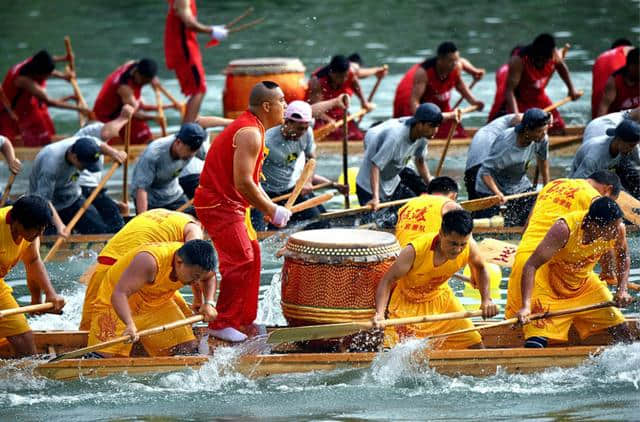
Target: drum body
(242,75)
(331,275)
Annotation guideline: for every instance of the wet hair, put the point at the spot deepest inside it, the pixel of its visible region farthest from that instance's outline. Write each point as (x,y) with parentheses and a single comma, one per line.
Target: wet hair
(542,46)
(262,92)
(620,42)
(147,68)
(603,211)
(633,56)
(355,58)
(442,184)
(40,64)
(457,221)
(338,64)
(446,48)
(198,253)
(32,211)
(608,178)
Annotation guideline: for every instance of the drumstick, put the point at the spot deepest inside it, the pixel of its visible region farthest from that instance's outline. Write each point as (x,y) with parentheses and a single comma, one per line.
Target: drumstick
(239,18)
(307,173)
(246,25)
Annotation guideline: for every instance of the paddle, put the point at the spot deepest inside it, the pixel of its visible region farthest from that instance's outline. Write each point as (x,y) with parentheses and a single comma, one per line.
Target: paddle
(313,202)
(532,317)
(374,89)
(450,136)
(316,332)
(324,131)
(490,201)
(73,81)
(163,119)
(125,169)
(345,154)
(630,207)
(357,210)
(307,173)
(81,211)
(561,102)
(630,286)
(314,187)
(176,104)
(25,309)
(185,205)
(7,189)
(123,339)
(475,81)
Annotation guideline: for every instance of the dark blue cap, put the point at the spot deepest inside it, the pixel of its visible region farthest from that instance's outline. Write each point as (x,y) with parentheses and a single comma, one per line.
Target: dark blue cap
(628,130)
(88,152)
(192,134)
(532,119)
(426,112)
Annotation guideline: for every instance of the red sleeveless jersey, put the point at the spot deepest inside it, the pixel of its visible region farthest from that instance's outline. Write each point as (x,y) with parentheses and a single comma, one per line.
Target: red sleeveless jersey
(108,103)
(328,92)
(402,99)
(533,80)
(604,66)
(180,43)
(626,96)
(438,91)
(216,180)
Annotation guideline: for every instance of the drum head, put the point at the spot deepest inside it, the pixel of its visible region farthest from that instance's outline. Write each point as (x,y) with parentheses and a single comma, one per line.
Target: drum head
(264,66)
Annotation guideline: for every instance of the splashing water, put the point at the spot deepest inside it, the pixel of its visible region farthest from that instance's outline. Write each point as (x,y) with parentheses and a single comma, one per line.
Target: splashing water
(269,309)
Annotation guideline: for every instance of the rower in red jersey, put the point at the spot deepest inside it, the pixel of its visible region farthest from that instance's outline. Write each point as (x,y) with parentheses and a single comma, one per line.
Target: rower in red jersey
(27,116)
(432,81)
(608,62)
(622,90)
(529,71)
(124,86)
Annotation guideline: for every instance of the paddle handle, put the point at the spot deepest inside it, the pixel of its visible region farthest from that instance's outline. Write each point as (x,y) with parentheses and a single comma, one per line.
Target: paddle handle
(313,202)
(163,119)
(630,286)
(307,173)
(186,205)
(314,187)
(561,102)
(374,89)
(351,211)
(74,82)
(125,169)
(473,83)
(430,318)
(490,201)
(324,131)
(7,189)
(81,211)
(71,58)
(178,105)
(26,309)
(446,148)
(345,155)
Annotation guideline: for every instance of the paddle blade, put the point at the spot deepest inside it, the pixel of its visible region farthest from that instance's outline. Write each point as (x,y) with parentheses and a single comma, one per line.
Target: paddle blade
(630,206)
(316,332)
(480,204)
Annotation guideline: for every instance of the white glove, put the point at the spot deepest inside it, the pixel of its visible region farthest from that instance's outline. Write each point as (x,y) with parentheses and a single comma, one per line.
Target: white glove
(219,32)
(281,216)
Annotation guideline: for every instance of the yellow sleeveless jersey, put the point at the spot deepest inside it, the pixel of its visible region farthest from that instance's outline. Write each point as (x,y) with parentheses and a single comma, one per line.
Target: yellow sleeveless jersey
(424,278)
(10,251)
(157,225)
(151,295)
(557,198)
(419,216)
(571,266)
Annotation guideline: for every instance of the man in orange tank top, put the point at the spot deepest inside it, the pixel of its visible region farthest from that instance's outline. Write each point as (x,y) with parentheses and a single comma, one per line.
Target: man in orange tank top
(529,73)
(622,90)
(182,51)
(229,185)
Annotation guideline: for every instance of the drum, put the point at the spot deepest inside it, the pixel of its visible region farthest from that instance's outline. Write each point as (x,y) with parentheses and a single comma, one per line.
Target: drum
(331,275)
(242,75)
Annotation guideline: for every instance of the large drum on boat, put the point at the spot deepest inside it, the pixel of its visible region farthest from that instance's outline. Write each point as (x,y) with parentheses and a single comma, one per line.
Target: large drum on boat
(331,275)
(243,74)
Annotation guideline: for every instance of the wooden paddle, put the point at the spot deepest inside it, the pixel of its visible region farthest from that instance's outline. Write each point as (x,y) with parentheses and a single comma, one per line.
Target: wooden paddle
(345,155)
(324,131)
(357,210)
(7,189)
(630,206)
(533,317)
(125,169)
(73,81)
(316,332)
(561,102)
(186,205)
(176,104)
(26,309)
(374,89)
(81,211)
(450,136)
(314,187)
(313,202)
(307,173)
(475,81)
(490,201)
(163,118)
(123,339)
(630,286)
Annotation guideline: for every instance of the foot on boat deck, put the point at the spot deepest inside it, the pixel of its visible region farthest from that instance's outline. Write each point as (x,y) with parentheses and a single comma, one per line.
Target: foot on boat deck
(229,334)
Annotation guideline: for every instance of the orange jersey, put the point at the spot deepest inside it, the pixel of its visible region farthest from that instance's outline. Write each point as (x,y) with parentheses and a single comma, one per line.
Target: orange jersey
(419,216)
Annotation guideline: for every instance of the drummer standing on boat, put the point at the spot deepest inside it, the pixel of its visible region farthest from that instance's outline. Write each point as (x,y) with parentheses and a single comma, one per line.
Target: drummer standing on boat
(420,276)
(559,275)
(229,184)
(432,81)
(182,52)
(21,226)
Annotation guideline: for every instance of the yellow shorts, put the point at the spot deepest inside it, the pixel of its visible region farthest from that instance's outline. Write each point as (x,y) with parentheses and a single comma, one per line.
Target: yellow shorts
(106,325)
(443,301)
(514,288)
(586,323)
(13,325)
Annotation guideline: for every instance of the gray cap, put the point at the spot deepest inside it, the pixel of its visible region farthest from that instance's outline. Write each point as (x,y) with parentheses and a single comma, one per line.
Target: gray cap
(426,112)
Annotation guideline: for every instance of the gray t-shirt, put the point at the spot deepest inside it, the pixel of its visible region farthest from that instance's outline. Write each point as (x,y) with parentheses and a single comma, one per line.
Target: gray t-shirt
(593,155)
(389,147)
(484,137)
(157,173)
(507,163)
(597,127)
(53,177)
(280,163)
(87,178)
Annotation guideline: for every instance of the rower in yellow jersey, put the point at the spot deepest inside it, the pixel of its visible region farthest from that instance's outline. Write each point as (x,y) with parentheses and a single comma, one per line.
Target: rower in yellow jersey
(21,226)
(420,277)
(423,214)
(137,293)
(559,275)
(157,225)
(557,198)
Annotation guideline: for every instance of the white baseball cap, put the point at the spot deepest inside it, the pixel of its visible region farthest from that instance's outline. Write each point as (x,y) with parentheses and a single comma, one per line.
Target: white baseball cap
(299,111)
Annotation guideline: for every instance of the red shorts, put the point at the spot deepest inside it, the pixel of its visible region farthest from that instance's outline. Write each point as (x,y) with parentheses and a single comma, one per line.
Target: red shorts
(192,78)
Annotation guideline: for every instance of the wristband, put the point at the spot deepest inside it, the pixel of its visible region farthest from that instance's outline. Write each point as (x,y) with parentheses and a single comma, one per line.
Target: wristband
(210,303)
